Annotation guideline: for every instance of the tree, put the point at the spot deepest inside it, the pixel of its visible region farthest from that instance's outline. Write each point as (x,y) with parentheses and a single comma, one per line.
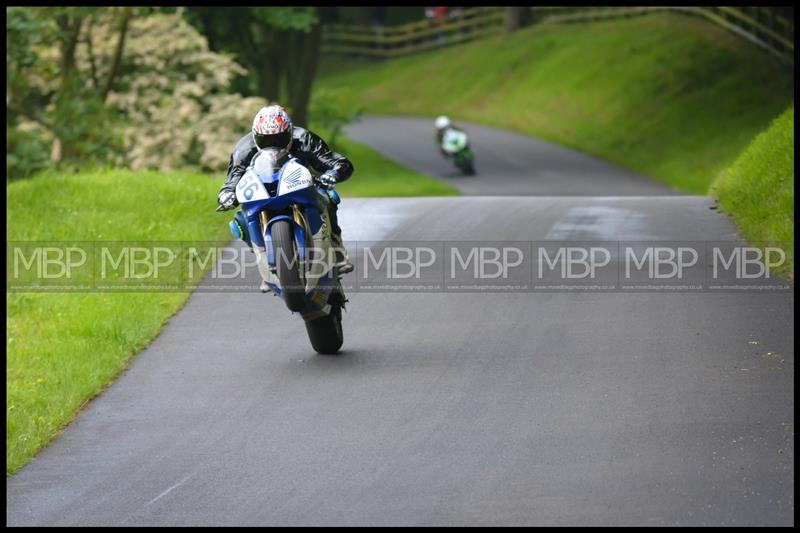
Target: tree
(301,69)
(174,94)
(118,85)
(45,87)
(279,46)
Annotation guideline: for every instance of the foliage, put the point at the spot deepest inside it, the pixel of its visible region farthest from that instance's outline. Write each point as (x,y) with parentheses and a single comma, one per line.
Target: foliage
(758,188)
(174,95)
(330,111)
(288,18)
(47,96)
(27,152)
(25,31)
(132,86)
(278,45)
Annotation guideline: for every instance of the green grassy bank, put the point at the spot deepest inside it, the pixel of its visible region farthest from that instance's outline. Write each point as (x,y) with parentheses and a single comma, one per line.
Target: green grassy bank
(667,95)
(64,348)
(758,188)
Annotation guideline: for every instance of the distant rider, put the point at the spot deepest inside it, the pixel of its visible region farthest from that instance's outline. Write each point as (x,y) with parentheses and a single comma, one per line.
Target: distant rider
(272,128)
(443,124)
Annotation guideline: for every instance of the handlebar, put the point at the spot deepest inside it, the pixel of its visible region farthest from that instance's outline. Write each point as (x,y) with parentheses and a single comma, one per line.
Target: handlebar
(316,180)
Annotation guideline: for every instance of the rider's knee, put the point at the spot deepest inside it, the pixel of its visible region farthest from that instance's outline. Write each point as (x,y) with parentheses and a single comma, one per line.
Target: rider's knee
(241,225)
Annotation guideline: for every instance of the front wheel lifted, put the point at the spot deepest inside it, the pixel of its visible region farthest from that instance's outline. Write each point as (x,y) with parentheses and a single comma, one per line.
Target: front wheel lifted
(288,265)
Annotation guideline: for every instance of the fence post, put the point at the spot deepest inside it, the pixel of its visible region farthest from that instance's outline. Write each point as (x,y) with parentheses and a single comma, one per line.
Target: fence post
(516,18)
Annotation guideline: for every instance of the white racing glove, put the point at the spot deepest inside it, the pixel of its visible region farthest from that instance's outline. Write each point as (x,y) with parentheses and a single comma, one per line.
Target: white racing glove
(328,179)
(226,200)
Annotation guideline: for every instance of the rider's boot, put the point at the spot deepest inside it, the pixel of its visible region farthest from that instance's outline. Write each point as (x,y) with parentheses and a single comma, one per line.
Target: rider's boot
(264,287)
(342,261)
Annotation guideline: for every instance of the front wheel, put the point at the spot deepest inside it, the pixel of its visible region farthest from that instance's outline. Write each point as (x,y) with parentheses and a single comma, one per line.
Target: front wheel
(325,333)
(288,265)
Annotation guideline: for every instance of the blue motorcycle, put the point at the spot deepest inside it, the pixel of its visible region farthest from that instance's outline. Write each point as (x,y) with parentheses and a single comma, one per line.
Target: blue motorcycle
(286,221)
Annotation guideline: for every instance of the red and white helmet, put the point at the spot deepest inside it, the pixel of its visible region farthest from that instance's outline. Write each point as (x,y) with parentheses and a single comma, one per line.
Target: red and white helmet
(272,128)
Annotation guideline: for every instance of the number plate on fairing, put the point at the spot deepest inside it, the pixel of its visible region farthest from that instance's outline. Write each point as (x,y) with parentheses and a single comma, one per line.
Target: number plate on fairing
(250,188)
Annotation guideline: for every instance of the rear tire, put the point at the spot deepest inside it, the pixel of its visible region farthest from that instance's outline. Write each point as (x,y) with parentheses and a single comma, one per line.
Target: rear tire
(325,333)
(468,160)
(288,264)
(469,169)
(463,161)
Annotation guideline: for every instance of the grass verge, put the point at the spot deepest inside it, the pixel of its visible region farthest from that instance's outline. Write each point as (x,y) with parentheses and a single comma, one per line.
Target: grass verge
(64,348)
(758,189)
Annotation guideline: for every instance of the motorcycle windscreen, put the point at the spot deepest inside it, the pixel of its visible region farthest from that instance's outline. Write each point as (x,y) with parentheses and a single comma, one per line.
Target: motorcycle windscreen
(268,161)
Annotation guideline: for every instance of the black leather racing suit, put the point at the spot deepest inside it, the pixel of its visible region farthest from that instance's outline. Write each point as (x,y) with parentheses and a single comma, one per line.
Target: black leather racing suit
(306,146)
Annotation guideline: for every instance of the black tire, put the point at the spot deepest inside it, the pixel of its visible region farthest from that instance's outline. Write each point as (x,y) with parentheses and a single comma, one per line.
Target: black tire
(469,169)
(464,162)
(325,333)
(286,260)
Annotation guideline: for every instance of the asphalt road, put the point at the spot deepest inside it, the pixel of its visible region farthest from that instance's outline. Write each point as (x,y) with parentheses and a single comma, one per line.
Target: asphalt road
(563,408)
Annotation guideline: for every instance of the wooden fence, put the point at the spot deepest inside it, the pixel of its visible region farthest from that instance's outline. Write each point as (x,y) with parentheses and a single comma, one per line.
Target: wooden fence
(389,41)
(762,26)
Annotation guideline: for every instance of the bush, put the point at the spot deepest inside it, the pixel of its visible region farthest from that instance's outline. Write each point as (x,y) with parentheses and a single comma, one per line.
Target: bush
(175,97)
(27,152)
(330,112)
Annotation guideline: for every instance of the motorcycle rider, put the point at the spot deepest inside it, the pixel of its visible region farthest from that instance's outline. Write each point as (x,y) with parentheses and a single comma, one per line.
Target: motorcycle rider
(442,123)
(445,126)
(272,128)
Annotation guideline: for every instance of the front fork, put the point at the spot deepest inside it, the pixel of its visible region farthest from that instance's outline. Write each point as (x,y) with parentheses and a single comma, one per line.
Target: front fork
(300,231)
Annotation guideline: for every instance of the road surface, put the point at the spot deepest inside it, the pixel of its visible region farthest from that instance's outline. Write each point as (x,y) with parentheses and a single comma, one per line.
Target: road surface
(534,408)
